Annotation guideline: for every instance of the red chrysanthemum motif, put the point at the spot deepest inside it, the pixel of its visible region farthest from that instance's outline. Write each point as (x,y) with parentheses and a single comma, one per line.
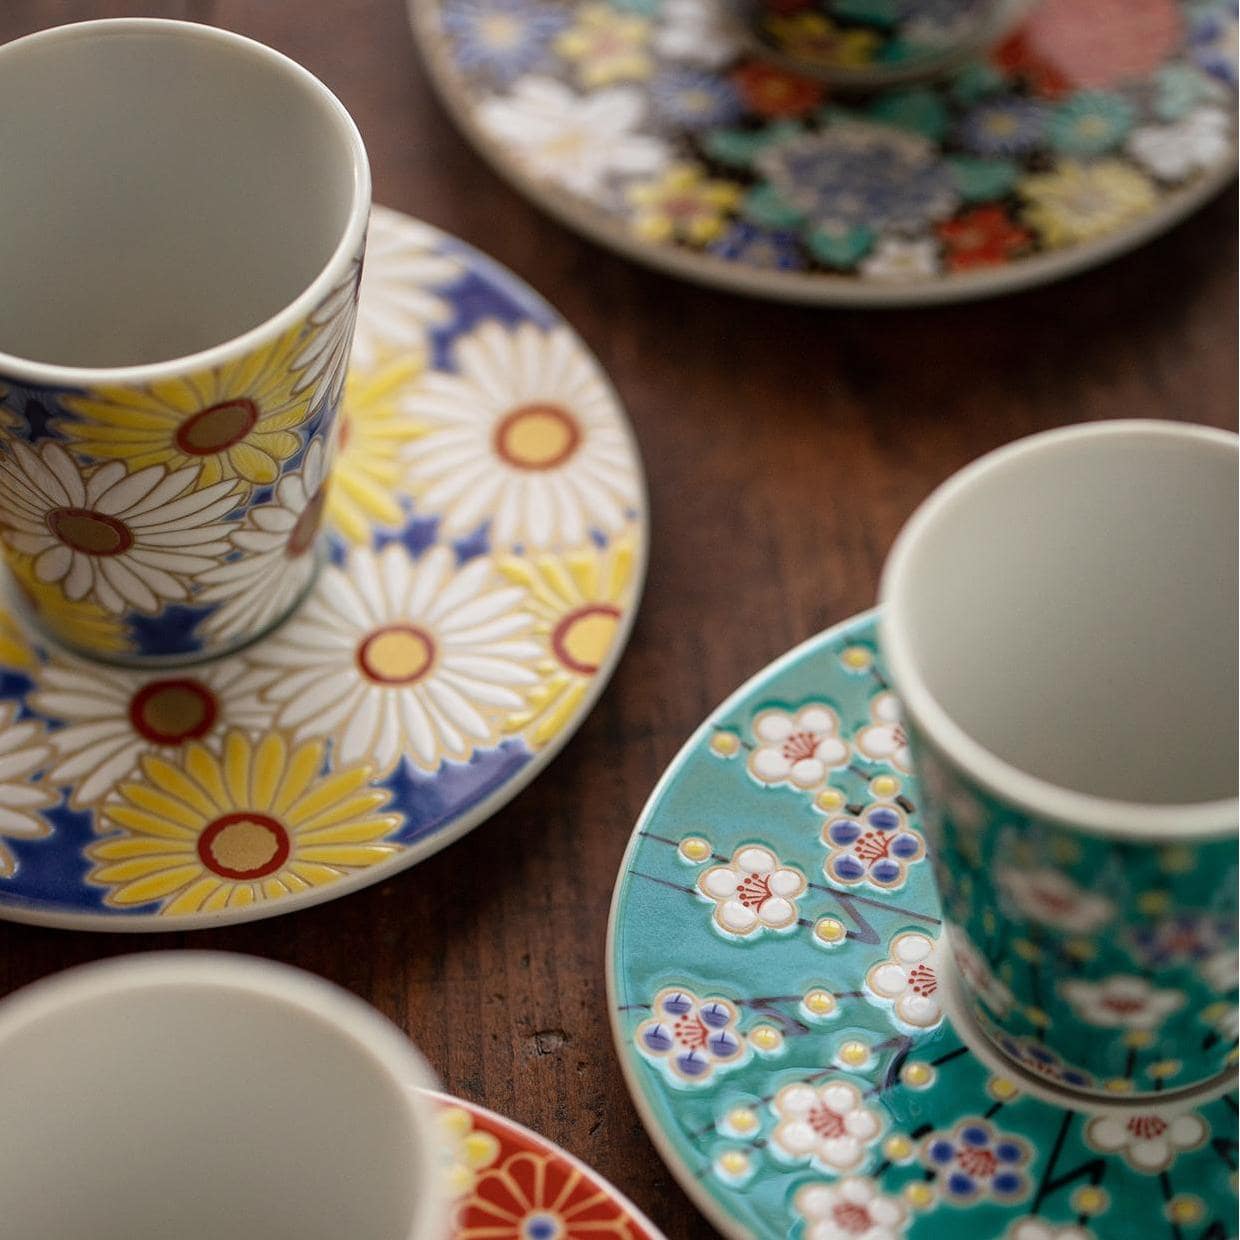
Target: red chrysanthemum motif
(774,92)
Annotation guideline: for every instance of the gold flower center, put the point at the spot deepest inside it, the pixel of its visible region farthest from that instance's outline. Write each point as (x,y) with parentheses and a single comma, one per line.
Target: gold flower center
(306,530)
(94,533)
(537,437)
(217,427)
(168,712)
(583,637)
(398,654)
(244,845)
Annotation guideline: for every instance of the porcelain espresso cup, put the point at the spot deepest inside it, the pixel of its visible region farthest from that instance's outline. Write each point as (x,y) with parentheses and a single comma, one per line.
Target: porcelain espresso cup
(1059,621)
(198,1095)
(181,255)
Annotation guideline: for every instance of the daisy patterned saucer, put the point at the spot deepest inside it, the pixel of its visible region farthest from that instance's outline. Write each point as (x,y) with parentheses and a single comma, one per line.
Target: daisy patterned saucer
(776,993)
(486,544)
(508,1183)
(655,128)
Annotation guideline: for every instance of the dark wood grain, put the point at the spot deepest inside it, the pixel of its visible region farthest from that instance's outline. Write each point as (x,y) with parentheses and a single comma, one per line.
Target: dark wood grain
(784,448)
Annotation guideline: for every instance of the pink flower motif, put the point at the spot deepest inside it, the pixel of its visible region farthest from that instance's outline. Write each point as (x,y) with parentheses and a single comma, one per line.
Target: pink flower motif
(800,749)
(885,740)
(1052,898)
(753,891)
(850,1209)
(1121,1002)
(827,1123)
(1149,1143)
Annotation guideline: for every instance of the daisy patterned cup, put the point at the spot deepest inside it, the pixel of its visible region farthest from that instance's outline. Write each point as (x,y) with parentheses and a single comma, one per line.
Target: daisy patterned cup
(174,340)
(1060,625)
(204,1094)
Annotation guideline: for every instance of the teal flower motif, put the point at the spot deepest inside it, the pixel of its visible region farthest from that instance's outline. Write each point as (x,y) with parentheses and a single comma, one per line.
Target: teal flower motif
(919,111)
(983,180)
(1090,123)
(976,81)
(1179,88)
(763,205)
(738,148)
(842,248)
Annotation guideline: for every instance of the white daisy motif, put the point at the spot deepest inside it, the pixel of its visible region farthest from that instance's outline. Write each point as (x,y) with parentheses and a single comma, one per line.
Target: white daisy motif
(1121,1002)
(827,1123)
(885,740)
(851,1208)
(575,141)
(277,542)
(23,751)
(398,302)
(895,258)
(1221,968)
(1033,1228)
(909,978)
(112,716)
(978,975)
(397,658)
(800,749)
(1052,898)
(123,540)
(324,358)
(698,32)
(526,435)
(1195,144)
(753,891)
(1148,1143)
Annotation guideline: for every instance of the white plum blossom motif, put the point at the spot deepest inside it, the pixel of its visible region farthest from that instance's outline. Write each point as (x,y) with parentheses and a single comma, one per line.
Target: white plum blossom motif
(978,975)
(324,357)
(1173,152)
(909,978)
(851,1208)
(124,540)
(397,303)
(1052,898)
(698,32)
(1034,1228)
(1121,1002)
(277,541)
(393,658)
(753,891)
(827,1123)
(23,750)
(575,141)
(1220,969)
(800,749)
(885,740)
(895,258)
(1148,1143)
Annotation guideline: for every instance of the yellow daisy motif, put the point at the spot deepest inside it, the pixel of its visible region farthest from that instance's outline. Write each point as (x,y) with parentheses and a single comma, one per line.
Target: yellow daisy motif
(1083,202)
(683,204)
(817,40)
(606,45)
(236,421)
(467,1150)
(578,601)
(373,433)
(15,651)
(255,823)
(82,622)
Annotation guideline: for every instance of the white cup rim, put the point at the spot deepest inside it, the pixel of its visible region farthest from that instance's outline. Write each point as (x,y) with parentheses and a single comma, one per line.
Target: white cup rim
(375,1037)
(50,374)
(1114,819)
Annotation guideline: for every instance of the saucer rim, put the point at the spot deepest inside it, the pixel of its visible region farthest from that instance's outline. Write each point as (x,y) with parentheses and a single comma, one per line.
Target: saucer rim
(802,288)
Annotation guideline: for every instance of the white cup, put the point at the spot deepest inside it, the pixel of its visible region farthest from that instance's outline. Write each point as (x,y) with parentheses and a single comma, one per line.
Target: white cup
(201,1095)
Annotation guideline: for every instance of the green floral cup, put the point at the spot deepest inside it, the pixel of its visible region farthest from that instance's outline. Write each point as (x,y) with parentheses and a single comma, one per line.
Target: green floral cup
(1060,622)
(181,256)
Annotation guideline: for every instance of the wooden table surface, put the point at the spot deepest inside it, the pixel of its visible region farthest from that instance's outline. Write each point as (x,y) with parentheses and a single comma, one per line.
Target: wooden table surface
(784,447)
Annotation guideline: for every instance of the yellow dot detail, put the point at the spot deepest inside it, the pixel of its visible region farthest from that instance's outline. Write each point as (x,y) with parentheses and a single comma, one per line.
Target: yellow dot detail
(1185,1208)
(765,1038)
(917,1075)
(858,658)
(919,1196)
(1138,1039)
(742,1119)
(989,922)
(854,1054)
(1037,1017)
(1233,1055)
(455,1122)
(1065,850)
(1176,859)
(1214,1012)
(1153,903)
(1119,1085)
(733,1163)
(819,1002)
(481,1150)
(829,930)
(1080,949)
(1027,951)
(1090,1200)
(694,849)
(725,744)
(1002,1089)
(884,787)
(1164,1069)
(897,1148)
(829,800)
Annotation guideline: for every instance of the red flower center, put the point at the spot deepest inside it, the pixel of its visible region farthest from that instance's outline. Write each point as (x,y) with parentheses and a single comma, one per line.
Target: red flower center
(981,1163)
(690,1032)
(306,530)
(753,891)
(217,427)
(1146,1127)
(244,845)
(826,1122)
(799,746)
(922,981)
(1122,1007)
(93,533)
(168,712)
(872,846)
(852,1219)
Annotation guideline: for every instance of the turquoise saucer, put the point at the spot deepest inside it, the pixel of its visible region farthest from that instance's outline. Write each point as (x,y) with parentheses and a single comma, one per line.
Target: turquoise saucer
(776,994)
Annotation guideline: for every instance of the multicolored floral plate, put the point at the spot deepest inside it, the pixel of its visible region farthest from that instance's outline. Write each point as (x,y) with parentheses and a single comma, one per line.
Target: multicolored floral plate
(776,1001)
(511,1184)
(655,128)
(486,548)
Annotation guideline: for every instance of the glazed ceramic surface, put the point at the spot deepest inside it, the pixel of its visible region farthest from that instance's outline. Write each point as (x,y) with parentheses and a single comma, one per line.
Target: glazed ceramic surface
(487,546)
(508,1183)
(174,359)
(776,981)
(645,124)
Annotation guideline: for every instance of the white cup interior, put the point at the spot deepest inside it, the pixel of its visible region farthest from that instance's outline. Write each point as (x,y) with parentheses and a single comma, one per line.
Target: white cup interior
(1069,603)
(200,1097)
(168,187)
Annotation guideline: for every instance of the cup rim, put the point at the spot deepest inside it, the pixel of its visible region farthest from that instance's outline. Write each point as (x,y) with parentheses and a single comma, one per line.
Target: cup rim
(313,998)
(53,374)
(1104,816)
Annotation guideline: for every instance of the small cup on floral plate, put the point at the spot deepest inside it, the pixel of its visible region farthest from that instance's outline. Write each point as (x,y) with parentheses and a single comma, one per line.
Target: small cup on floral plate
(204,1094)
(181,257)
(1060,622)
